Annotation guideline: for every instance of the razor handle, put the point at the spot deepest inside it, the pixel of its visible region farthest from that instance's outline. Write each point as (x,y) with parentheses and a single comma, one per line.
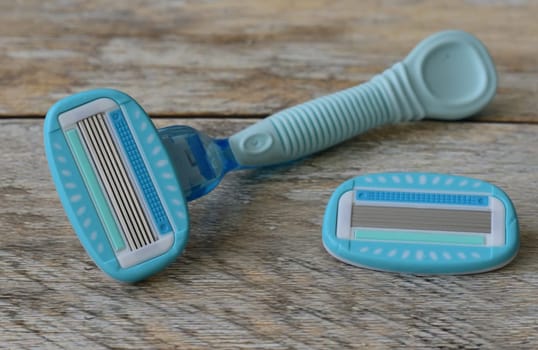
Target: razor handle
(321,123)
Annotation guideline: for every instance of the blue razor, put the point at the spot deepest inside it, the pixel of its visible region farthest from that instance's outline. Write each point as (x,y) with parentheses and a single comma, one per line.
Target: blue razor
(124,184)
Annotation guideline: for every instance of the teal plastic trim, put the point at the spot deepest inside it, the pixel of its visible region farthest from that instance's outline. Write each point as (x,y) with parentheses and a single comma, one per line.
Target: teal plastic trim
(449,75)
(428,237)
(415,257)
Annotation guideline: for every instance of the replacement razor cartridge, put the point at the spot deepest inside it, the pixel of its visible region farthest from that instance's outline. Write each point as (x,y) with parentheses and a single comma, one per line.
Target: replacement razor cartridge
(421,223)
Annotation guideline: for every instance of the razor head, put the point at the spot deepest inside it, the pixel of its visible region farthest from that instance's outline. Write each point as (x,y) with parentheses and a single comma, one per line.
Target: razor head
(421,223)
(116,183)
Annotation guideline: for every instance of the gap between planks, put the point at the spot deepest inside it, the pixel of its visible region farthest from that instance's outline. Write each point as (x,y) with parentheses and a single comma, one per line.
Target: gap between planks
(238,117)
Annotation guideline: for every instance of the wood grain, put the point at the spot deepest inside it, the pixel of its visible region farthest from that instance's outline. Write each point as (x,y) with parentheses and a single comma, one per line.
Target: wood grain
(236,58)
(254,274)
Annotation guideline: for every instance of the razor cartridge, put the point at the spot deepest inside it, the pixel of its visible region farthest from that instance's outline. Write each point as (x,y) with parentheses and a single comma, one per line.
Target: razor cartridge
(421,223)
(116,183)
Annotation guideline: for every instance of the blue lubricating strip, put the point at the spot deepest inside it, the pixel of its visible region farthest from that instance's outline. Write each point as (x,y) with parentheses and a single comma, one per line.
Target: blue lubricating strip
(142,175)
(199,153)
(422,197)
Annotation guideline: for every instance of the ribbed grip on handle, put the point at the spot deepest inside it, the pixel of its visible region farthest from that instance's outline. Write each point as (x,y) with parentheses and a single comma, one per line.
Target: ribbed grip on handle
(318,124)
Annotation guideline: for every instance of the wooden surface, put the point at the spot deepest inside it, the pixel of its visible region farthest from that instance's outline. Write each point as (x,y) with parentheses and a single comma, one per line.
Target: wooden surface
(255,274)
(185,58)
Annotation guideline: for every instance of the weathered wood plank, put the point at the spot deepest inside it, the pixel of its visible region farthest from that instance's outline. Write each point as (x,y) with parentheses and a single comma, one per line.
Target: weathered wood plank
(184,58)
(255,273)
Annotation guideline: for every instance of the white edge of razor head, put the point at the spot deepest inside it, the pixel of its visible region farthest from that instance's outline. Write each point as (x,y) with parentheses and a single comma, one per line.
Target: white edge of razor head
(72,116)
(345,206)
(497,237)
(128,258)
